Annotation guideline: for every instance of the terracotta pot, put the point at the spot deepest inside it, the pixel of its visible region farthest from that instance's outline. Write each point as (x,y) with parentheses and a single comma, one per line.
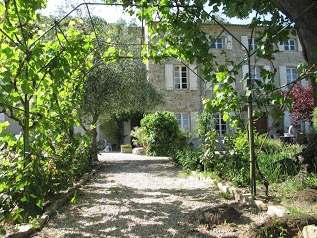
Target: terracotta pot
(144,144)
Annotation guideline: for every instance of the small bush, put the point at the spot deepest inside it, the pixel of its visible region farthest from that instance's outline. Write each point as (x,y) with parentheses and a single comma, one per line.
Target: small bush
(309,154)
(138,136)
(276,160)
(163,134)
(189,158)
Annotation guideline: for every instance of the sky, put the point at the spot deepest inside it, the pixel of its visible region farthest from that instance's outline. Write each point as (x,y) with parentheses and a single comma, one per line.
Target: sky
(110,14)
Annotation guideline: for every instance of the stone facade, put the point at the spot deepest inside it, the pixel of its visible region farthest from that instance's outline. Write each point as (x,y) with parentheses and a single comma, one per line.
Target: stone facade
(188,100)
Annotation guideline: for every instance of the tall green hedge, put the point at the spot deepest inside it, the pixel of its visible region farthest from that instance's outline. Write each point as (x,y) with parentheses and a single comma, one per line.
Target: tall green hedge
(163,133)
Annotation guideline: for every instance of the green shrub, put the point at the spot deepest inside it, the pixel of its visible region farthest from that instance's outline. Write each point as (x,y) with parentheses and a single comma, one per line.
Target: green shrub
(138,136)
(315,119)
(163,134)
(309,154)
(209,137)
(27,183)
(278,160)
(189,158)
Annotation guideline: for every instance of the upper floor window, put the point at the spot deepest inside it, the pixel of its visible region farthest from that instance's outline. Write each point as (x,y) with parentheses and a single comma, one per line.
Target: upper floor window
(183,120)
(181,77)
(220,125)
(291,74)
(289,45)
(252,44)
(217,43)
(255,75)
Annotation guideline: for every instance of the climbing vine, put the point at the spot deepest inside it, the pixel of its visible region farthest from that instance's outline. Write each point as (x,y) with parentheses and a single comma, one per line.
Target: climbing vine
(40,77)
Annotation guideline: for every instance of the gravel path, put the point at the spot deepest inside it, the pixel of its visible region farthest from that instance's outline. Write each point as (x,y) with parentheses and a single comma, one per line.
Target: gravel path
(141,196)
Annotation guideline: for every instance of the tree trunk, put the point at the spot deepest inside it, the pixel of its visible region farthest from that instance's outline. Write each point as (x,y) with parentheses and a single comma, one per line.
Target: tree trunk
(94,142)
(304,14)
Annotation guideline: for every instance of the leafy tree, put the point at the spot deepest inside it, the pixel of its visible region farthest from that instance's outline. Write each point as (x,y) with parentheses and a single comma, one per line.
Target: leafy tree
(41,75)
(119,86)
(303,102)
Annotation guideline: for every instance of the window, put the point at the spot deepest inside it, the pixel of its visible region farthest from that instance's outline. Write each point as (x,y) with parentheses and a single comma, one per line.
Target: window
(181,77)
(289,45)
(183,120)
(217,43)
(252,44)
(220,124)
(291,74)
(255,75)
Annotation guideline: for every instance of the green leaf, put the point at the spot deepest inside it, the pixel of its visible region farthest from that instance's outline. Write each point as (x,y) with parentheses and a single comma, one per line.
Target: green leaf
(39,203)
(33,195)
(226,116)
(71,23)
(24,199)
(4,125)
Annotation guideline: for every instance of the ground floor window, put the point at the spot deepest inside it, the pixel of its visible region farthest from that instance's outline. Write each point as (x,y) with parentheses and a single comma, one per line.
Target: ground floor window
(220,125)
(183,120)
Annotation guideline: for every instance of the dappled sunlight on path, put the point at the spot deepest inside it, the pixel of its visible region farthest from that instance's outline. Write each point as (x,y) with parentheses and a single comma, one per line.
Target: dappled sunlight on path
(136,196)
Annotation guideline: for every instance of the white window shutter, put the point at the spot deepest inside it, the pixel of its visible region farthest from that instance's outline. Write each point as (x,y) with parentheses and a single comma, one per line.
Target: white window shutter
(305,83)
(283,76)
(287,120)
(280,47)
(192,77)
(267,67)
(208,85)
(233,129)
(2,117)
(228,42)
(193,121)
(299,45)
(245,70)
(245,42)
(230,67)
(169,76)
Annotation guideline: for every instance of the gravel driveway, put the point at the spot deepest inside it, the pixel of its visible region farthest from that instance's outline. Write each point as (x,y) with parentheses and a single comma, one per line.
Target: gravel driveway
(141,196)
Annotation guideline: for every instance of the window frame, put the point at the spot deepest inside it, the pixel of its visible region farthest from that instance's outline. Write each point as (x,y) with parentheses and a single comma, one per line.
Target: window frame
(252,43)
(219,123)
(217,45)
(181,120)
(178,80)
(290,75)
(290,45)
(255,76)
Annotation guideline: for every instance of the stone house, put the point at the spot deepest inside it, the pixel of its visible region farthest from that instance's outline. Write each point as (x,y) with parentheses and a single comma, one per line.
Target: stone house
(184,87)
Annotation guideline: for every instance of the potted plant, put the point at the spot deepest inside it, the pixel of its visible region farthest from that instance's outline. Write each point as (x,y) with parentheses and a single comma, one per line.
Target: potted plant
(126,148)
(139,137)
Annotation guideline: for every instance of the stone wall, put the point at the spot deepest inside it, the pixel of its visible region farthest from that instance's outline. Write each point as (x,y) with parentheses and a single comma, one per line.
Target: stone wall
(190,100)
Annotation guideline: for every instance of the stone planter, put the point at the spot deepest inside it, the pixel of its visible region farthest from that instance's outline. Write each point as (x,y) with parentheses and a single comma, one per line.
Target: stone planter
(126,150)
